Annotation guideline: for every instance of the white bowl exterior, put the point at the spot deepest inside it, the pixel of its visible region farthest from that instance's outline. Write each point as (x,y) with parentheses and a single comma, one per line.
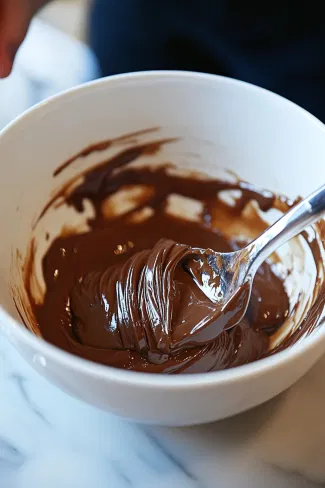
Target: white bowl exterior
(262,137)
(168,404)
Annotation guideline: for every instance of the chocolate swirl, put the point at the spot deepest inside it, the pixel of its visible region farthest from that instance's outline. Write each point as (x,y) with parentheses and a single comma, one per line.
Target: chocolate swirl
(132,306)
(150,304)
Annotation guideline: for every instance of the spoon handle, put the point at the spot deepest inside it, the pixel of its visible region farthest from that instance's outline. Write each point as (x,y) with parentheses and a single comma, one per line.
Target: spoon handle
(305,213)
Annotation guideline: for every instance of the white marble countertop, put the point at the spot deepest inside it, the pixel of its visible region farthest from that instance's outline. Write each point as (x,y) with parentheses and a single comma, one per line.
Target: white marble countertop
(48,439)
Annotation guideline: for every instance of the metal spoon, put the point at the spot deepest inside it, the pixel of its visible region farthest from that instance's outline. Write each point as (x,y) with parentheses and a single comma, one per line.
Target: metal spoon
(226,278)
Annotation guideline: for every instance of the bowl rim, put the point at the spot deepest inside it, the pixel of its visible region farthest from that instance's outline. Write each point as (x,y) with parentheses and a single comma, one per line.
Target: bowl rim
(12,327)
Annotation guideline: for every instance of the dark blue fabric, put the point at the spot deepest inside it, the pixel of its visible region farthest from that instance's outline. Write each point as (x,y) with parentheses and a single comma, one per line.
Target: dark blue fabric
(279,45)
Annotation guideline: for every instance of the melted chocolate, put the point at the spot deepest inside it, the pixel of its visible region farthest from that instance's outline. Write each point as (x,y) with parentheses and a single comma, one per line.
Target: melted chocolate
(122,295)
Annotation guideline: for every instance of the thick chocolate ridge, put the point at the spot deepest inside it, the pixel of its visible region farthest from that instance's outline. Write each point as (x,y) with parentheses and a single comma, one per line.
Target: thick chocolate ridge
(120,294)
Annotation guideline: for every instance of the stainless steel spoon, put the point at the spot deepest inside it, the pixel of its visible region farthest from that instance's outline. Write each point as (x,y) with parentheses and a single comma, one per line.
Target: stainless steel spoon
(222,276)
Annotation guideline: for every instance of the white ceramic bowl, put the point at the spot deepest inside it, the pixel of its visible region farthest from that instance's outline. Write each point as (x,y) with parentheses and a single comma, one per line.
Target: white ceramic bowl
(264,138)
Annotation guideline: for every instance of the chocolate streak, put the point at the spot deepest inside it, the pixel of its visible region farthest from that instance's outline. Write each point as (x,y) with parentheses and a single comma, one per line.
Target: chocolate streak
(121,294)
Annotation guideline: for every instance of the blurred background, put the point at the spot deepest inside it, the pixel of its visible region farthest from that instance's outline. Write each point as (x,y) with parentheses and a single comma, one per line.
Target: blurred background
(53,58)
(277,45)
(70,16)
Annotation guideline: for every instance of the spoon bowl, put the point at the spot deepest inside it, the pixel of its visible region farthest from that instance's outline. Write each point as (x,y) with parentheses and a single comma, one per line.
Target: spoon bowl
(226,278)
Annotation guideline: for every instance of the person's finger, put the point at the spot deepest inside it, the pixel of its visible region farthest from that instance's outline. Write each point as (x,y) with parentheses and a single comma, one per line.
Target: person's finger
(15,17)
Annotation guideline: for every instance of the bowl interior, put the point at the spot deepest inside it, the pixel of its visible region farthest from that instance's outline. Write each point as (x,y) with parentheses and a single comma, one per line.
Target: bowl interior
(218,123)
